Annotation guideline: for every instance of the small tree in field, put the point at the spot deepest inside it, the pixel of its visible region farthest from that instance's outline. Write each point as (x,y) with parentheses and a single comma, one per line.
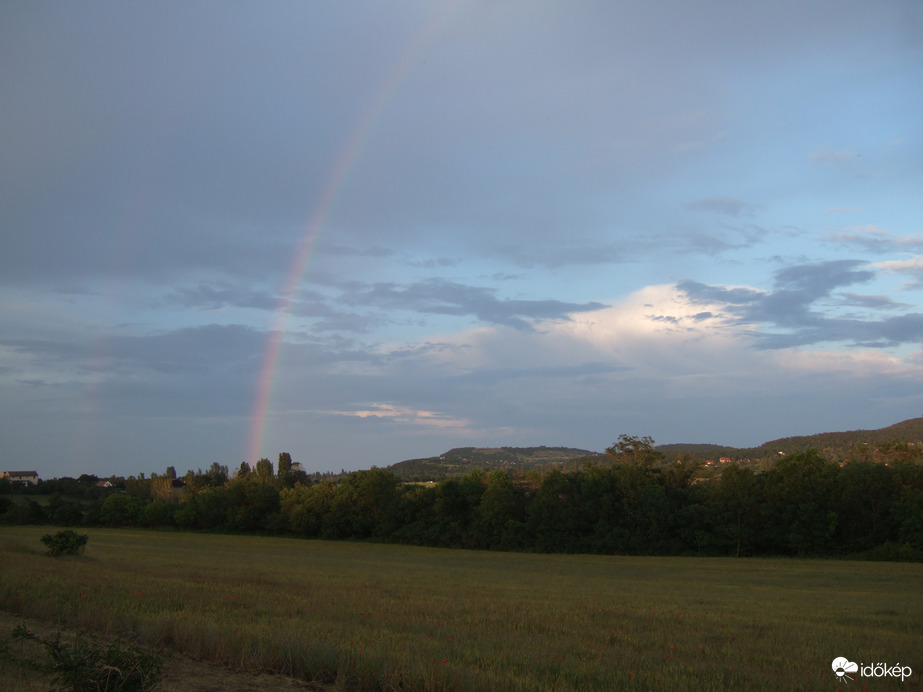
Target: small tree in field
(65,543)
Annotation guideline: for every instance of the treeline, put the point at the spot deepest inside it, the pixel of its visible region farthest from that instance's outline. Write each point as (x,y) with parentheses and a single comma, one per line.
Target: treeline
(627,502)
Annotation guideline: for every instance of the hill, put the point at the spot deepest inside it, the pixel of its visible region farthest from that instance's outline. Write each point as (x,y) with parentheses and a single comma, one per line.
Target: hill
(906,431)
(459,461)
(841,445)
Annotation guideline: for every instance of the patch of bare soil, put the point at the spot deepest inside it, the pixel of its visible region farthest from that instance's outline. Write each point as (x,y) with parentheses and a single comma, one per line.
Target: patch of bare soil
(20,673)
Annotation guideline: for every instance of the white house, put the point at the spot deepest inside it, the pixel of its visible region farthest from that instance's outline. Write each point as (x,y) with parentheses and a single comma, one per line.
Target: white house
(30,477)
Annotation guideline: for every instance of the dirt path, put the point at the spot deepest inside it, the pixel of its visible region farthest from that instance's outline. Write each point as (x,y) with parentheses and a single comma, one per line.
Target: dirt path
(183,674)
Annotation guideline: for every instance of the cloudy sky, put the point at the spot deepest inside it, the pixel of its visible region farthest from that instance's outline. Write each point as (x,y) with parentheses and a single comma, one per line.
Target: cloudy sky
(362,232)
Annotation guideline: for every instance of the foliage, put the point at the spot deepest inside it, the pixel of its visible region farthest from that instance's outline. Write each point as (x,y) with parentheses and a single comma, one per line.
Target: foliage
(91,666)
(65,543)
(120,509)
(457,462)
(635,499)
(637,450)
(264,470)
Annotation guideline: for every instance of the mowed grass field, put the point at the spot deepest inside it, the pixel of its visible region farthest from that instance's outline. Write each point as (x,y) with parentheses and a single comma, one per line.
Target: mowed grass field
(367,616)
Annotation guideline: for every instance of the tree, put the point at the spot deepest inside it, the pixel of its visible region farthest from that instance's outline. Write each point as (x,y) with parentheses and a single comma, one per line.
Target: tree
(736,502)
(264,470)
(65,543)
(244,469)
(162,488)
(120,510)
(253,505)
(284,470)
(638,450)
(798,511)
(362,504)
(171,473)
(500,513)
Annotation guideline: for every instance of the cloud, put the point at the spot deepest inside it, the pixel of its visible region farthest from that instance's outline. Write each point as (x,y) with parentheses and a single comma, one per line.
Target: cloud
(878,240)
(911,267)
(838,157)
(789,315)
(725,205)
(223,295)
(339,249)
(871,302)
(442,297)
(404,414)
(654,350)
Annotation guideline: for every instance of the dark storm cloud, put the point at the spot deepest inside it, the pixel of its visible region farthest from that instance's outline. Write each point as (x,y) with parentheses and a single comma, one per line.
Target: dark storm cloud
(789,307)
(441,297)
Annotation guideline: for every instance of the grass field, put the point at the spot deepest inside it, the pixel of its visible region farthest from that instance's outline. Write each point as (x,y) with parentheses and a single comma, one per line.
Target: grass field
(367,616)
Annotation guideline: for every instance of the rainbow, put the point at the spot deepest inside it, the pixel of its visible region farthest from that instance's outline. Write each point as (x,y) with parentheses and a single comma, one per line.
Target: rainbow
(331,190)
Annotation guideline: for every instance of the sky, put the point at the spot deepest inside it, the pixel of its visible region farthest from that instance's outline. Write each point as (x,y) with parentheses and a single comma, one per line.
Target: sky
(362,232)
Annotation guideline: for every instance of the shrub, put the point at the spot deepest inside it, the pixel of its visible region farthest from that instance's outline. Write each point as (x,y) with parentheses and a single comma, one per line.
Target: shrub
(65,543)
(92,666)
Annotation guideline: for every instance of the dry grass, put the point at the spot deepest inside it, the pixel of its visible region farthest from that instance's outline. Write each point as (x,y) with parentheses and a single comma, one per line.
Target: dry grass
(365,616)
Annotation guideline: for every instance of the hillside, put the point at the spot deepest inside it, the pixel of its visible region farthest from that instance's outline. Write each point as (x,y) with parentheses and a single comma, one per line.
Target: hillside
(840,445)
(459,461)
(906,431)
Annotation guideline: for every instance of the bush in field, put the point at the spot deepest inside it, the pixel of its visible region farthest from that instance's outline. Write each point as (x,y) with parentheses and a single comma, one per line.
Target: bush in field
(97,667)
(65,543)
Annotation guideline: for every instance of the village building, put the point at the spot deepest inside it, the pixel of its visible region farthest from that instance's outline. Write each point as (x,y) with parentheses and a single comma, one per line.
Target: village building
(30,477)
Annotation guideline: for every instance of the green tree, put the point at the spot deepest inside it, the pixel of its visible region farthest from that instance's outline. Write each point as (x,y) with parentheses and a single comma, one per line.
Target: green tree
(735,499)
(63,511)
(264,470)
(217,475)
(499,519)
(158,514)
(557,517)
(865,493)
(799,510)
(362,505)
(120,509)
(638,450)
(253,505)
(284,470)
(305,506)
(139,487)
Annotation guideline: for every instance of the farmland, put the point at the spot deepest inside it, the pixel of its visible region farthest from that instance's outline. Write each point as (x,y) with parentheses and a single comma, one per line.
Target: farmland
(372,616)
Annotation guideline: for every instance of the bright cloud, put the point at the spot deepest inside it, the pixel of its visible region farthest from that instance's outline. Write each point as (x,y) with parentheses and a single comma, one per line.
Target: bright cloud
(403,414)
